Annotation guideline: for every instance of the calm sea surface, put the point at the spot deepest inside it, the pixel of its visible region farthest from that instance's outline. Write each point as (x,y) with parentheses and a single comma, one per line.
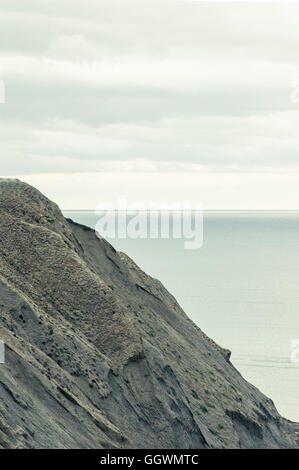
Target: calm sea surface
(241,288)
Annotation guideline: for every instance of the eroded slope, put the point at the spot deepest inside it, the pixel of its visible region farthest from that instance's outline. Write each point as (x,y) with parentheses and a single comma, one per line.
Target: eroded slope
(98,354)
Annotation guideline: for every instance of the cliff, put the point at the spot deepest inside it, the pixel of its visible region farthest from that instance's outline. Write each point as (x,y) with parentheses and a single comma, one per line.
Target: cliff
(100,355)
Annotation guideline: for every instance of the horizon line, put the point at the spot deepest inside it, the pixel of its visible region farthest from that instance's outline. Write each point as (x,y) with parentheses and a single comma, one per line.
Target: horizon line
(179,210)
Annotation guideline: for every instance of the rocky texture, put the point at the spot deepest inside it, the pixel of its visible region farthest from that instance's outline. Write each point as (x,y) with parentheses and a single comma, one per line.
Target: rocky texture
(100,355)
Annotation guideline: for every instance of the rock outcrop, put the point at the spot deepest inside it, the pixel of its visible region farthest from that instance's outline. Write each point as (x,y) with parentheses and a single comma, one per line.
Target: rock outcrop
(100,355)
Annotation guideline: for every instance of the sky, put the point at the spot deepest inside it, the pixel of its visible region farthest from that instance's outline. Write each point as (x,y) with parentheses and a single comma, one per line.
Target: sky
(158,101)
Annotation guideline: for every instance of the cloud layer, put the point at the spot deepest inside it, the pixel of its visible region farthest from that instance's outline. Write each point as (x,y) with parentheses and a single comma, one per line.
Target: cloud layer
(158,88)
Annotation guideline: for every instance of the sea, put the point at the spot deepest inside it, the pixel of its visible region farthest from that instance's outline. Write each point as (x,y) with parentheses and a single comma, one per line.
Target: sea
(241,288)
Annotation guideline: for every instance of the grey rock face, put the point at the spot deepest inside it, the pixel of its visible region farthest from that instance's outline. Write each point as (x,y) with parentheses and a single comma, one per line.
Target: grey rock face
(100,355)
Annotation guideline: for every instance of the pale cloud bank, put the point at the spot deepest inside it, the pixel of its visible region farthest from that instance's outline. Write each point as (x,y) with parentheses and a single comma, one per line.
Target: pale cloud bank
(176,94)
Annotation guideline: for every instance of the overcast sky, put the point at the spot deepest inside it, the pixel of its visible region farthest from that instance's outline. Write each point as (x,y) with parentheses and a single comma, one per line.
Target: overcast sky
(155,100)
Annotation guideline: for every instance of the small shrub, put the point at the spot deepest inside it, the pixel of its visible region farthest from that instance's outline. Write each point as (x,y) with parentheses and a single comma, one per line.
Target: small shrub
(204,409)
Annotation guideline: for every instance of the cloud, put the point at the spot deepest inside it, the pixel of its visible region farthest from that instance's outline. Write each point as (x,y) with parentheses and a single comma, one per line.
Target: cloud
(257,190)
(263,142)
(151,88)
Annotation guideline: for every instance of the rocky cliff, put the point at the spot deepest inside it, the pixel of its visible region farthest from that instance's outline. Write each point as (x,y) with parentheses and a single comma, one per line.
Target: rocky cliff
(100,355)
